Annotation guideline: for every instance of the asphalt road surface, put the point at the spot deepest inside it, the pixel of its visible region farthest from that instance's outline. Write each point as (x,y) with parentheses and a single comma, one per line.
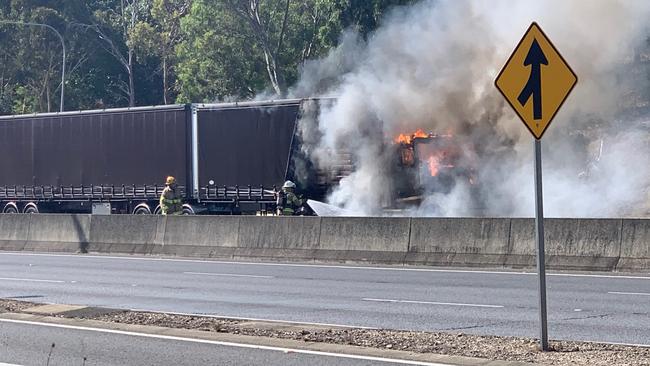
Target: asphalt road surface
(593,307)
(27,344)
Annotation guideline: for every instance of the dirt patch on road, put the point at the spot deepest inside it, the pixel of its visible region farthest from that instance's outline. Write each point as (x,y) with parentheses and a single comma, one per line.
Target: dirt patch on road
(457,344)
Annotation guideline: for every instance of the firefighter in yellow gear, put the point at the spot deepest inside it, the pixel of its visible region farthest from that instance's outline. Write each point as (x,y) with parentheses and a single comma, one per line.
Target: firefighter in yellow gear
(170,202)
(288,203)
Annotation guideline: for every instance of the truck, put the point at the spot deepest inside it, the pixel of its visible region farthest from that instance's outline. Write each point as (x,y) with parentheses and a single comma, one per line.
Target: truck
(227,158)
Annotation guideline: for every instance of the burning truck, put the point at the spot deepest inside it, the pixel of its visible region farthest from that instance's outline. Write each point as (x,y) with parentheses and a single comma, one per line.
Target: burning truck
(228,158)
(430,163)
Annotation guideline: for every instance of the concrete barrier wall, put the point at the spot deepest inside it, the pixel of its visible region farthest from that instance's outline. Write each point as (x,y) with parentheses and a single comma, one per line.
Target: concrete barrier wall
(137,234)
(14,230)
(200,236)
(58,233)
(588,244)
(582,244)
(458,242)
(292,238)
(369,239)
(635,246)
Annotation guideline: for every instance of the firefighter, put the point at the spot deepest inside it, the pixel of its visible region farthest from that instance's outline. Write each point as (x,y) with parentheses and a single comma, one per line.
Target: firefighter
(170,202)
(288,203)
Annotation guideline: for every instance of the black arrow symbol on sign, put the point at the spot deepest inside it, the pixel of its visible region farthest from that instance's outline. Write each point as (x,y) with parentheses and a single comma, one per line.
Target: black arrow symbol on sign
(533,87)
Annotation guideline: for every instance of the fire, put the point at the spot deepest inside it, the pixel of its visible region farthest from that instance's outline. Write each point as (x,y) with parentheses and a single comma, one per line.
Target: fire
(408,139)
(438,156)
(434,165)
(437,162)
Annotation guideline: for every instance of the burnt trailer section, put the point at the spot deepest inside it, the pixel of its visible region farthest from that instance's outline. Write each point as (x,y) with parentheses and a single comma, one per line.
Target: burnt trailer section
(227,158)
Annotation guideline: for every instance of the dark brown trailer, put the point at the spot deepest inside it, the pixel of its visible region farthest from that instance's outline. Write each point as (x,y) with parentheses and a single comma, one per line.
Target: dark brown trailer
(226,157)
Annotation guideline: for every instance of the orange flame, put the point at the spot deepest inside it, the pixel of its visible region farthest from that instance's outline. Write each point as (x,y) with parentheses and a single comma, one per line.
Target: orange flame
(407,139)
(436,162)
(434,165)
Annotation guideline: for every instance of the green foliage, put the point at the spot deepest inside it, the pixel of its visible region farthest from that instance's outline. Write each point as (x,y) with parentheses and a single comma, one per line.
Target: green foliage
(217,61)
(144,52)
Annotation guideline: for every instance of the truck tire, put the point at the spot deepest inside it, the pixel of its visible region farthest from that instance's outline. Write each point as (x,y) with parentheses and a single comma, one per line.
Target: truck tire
(142,209)
(30,208)
(10,208)
(188,210)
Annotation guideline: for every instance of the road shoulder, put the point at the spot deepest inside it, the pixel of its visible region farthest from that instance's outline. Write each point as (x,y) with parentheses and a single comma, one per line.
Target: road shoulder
(288,345)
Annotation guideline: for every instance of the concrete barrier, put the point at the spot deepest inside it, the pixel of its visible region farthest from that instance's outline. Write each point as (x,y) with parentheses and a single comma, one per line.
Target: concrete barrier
(58,233)
(130,234)
(458,242)
(292,238)
(635,246)
(199,236)
(582,244)
(13,231)
(368,239)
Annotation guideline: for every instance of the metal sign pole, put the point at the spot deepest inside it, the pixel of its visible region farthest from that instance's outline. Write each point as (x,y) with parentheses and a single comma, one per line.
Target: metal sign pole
(539,240)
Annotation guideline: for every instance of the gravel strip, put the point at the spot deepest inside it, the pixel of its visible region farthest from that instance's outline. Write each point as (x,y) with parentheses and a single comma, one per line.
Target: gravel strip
(457,344)
(14,306)
(563,353)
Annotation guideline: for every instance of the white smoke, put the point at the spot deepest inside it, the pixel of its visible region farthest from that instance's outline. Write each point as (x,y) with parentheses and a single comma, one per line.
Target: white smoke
(432,66)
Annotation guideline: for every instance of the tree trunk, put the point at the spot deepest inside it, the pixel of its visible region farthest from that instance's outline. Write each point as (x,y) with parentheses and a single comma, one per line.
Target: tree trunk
(251,14)
(165,82)
(131,85)
(47,97)
(271,68)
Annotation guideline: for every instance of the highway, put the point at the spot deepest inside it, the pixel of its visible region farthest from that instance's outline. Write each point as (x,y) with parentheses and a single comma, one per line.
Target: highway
(37,344)
(592,307)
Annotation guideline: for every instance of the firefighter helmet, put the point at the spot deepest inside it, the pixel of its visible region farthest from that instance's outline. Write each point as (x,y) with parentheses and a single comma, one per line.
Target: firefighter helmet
(289,184)
(170,180)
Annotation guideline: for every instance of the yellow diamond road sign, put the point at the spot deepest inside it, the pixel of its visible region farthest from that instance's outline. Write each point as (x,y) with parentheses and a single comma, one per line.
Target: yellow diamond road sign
(536,80)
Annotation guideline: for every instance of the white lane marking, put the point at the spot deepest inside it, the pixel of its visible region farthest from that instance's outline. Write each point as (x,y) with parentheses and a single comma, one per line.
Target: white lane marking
(620,344)
(592,275)
(433,303)
(226,274)
(629,293)
(8,364)
(256,319)
(227,344)
(28,280)
(405,269)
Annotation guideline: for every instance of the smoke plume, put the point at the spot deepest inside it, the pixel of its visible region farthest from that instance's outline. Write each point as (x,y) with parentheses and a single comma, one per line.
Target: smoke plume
(432,66)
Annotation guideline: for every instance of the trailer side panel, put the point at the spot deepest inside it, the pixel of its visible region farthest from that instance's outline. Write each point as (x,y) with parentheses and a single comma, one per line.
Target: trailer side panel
(99,149)
(245,146)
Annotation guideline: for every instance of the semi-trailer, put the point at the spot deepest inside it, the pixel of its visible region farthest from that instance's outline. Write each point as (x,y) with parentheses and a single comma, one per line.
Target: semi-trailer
(227,158)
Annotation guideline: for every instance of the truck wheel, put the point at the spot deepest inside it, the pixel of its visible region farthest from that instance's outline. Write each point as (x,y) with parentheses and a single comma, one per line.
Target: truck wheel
(158,210)
(10,208)
(30,208)
(142,209)
(188,210)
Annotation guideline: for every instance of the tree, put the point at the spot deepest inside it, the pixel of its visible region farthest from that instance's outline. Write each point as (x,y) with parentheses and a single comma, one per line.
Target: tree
(251,45)
(31,67)
(159,37)
(216,59)
(113,21)
(268,26)
(365,15)
(134,52)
